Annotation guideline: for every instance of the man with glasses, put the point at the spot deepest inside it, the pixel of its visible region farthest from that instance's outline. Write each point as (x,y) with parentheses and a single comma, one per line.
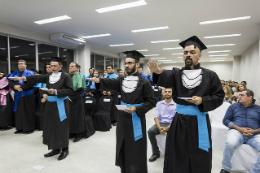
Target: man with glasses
(137,94)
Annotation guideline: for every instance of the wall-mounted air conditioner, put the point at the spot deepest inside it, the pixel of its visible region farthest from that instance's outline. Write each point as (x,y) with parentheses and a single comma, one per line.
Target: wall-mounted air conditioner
(67,39)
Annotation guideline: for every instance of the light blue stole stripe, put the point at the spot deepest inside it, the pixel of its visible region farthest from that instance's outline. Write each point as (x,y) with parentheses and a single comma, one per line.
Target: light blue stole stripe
(60,104)
(137,126)
(202,124)
(18,94)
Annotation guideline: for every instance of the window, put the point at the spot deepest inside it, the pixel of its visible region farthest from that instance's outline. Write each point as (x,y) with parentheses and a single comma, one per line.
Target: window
(22,49)
(45,52)
(67,56)
(117,64)
(92,60)
(99,63)
(3,55)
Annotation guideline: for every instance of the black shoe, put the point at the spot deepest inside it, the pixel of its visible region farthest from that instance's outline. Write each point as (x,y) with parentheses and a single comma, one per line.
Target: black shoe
(154,157)
(52,153)
(77,139)
(28,132)
(224,171)
(114,124)
(18,131)
(63,155)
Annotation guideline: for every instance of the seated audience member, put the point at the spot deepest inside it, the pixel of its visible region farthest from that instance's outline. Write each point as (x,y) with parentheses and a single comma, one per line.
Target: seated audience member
(243,119)
(164,114)
(234,100)
(121,73)
(228,94)
(222,82)
(91,72)
(239,88)
(150,78)
(244,82)
(140,71)
(104,74)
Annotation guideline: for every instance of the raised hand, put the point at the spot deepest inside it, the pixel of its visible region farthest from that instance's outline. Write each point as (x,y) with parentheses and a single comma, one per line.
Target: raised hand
(94,79)
(154,68)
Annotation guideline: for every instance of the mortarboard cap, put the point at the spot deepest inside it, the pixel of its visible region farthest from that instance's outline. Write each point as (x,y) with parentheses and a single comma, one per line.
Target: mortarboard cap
(56,59)
(194,40)
(133,54)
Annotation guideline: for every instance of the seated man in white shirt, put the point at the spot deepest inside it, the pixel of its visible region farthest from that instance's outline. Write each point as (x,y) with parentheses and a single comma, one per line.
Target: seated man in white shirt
(164,114)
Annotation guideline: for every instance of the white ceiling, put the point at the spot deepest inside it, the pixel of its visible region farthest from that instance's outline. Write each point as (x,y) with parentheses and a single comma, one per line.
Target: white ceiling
(182,17)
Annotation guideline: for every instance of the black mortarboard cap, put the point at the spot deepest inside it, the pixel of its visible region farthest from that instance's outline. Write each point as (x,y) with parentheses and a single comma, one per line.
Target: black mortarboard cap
(194,40)
(133,54)
(56,59)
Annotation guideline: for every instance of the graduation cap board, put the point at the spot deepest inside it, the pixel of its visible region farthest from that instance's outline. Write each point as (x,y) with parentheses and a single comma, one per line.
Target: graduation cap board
(56,59)
(133,54)
(194,40)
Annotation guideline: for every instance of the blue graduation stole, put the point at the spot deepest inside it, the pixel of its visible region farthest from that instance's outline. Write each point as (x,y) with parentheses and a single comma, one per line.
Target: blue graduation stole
(60,104)
(137,126)
(202,123)
(111,76)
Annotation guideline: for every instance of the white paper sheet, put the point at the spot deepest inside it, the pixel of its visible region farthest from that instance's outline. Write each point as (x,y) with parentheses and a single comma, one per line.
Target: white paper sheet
(121,107)
(185,98)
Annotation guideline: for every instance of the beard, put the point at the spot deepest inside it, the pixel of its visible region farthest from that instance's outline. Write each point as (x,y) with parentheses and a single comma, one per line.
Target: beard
(188,64)
(169,97)
(130,71)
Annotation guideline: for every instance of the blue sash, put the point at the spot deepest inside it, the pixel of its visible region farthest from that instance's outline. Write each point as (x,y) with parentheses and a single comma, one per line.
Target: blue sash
(60,104)
(18,94)
(137,126)
(202,124)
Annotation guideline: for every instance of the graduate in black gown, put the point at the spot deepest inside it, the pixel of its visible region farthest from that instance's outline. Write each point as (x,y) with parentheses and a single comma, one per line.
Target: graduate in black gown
(56,114)
(137,93)
(188,143)
(77,112)
(6,104)
(24,106)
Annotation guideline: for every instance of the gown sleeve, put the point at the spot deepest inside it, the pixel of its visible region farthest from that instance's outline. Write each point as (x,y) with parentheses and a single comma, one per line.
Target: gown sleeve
(75,94)
(110,84)
(149,101)
(67,89)
(165,79)
(11,84)
(216,96)
(37,79)
(26,86)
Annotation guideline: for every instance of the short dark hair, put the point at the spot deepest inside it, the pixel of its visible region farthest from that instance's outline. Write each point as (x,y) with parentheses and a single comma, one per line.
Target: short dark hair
(140,67)
(169,88)
(244,82)
(118,70)
(234,98)
(76,64)
(21,60)
(249,93)
(36,71)
(110,66)
(3,73)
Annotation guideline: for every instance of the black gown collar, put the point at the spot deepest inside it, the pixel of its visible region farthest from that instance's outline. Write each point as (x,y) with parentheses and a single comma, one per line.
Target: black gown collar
(195,67)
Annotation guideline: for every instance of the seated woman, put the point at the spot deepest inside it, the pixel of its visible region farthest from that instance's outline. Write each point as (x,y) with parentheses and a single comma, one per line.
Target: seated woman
(239,88)
(93,91)
(228,94)
(234,99)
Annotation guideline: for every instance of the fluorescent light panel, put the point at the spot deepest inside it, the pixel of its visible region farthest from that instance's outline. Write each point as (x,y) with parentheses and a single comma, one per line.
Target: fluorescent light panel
(159,58)
(221,51)
(222,36)
(220,55)
(22,55)
(152,55)
(177,54)
(219,45)
(224,20)
(165,60)
(95,36)
(143,50)
(172,48)
(164,41)
(180,57)
(121,6)
(118,45)
(55,19)
(169,62)
(150,29)
(216,60)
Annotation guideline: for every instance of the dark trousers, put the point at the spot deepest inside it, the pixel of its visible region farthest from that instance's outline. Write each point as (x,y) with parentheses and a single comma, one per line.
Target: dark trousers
(152,132)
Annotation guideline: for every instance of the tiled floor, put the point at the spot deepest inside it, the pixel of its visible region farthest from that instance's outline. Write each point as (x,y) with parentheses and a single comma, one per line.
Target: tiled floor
(20,153)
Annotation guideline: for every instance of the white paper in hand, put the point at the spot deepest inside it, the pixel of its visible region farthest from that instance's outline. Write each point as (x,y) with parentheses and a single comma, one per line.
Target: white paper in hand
(121,107)
(44,89)
(185,98)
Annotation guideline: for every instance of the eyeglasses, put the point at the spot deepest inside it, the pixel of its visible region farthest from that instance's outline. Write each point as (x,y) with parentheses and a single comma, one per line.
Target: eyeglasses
(128,63)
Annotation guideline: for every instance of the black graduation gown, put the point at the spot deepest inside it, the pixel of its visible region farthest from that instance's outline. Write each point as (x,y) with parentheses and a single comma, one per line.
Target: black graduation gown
(6,111)
(56,133)
(131,155)
(25,113)
(77,112)
(182,154)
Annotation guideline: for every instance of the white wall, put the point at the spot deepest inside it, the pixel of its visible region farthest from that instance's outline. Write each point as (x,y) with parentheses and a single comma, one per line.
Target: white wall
(224,70)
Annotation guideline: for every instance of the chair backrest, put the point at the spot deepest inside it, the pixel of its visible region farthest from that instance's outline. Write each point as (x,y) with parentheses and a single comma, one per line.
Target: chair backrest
(89,105)
(105,103)
(157,91)
(218,114)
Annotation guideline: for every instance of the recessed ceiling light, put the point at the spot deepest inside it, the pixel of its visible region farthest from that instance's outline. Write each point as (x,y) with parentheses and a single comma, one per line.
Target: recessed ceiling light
(224,20)
(216,60)
(180,57)
(44,53)
(220,55)
(22,55)
(94,36)
(169,62)
(159,58)
(152,55)
(177,54)
(172,48)
(121,6)
(55,19)
(143,50)
(150,29)
(222,36)
(218,45)
(165,60)
(117,45)
(219,51)
(164,41)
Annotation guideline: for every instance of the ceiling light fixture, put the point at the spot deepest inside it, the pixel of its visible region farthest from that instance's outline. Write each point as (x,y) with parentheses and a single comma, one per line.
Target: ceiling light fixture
(165,41)
(222,36)
(121,6)
(172,48)
(159,58)
(55,19)
(95,36)
(180,57)
(224,20)
(219,45)
(216,60)
(13,47)
(44,53)
(169,62)
(150,29)
(143,50)
(219,51)
(118,45)
(22,55)
(152,55)
(165,60)
(177,54)
(220,55)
